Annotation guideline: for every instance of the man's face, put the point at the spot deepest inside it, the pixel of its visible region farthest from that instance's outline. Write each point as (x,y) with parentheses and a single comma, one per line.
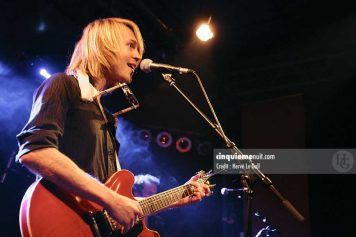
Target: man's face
(128,59)
(149,189)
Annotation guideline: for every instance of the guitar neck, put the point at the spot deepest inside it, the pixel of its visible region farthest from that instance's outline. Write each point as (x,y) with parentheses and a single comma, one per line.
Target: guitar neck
(162,200)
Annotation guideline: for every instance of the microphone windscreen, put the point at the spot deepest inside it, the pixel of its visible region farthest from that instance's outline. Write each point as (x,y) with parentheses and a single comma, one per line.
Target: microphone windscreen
(145,65)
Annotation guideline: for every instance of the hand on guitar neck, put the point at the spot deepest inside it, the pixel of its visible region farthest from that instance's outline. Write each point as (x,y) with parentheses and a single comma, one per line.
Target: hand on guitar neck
(201,190)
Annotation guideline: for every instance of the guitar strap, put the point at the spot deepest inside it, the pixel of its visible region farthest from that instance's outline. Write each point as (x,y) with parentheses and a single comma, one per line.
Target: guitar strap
(97,100)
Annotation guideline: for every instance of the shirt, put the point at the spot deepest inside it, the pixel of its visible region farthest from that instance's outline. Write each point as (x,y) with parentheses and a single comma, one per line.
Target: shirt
(61,119)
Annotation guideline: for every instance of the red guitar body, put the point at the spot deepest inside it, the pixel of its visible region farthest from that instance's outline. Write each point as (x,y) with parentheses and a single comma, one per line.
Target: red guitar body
(47,210)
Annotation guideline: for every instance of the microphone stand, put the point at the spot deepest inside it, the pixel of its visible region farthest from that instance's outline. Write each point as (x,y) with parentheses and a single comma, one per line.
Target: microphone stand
(247,184)
(246,178)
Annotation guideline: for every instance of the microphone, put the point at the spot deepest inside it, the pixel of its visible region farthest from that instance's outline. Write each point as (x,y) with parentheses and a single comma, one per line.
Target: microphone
(226,191)
(147,65)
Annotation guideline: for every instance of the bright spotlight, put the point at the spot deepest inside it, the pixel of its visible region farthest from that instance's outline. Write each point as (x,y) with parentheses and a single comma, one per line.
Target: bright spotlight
(44,73)
(204,32)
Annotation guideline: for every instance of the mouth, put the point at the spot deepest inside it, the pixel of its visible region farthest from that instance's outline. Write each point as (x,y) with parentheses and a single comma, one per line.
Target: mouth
(132,66)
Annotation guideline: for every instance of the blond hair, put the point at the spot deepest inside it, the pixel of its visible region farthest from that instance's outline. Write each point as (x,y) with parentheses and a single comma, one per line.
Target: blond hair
(99,46)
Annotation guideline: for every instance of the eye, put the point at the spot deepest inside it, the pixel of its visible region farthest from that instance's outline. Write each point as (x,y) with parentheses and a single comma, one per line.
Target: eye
(132,45)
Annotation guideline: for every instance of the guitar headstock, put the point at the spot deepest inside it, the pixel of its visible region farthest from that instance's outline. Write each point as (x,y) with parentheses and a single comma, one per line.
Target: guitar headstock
(204,178)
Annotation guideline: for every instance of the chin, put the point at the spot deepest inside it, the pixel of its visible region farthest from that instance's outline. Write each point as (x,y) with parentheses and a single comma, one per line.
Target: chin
(124,80)
(128,80)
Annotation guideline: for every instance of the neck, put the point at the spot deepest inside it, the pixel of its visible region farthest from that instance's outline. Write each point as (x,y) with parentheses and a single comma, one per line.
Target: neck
(100,84)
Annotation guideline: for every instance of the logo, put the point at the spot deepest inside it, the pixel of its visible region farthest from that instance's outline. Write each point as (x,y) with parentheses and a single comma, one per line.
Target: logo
(343,161)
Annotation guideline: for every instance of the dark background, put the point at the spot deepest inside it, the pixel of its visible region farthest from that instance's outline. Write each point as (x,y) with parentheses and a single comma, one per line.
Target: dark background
(263,50)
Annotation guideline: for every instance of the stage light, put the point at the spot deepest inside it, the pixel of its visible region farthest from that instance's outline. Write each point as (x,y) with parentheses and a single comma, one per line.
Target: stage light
(204,32)
(144,136)
(204,148)
(183,144)
(41,27)
(44,73)
(164,139)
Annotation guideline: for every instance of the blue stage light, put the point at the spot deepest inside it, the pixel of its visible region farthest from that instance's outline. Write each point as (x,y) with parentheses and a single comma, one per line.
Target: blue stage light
(43,72)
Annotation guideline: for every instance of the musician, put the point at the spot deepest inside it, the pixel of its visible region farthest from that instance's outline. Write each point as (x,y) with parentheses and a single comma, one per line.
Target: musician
(69,139)
(145,185)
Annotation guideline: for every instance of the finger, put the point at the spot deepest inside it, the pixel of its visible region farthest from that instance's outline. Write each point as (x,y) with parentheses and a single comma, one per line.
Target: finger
(137,219)
(206,188)
(199,191)
(133,222)
(126,228)
(195,177)
(201,187)
(194,183)
(198,196)
(195,199)
(129,224)
(140,213)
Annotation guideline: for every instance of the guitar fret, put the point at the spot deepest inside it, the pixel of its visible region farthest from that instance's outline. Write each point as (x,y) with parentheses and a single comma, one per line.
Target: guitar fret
(160,203)
(156,203)
(144,207)
(164,201)
(176,195)
(147,207)
(150,206)
(153,204)
(169,197)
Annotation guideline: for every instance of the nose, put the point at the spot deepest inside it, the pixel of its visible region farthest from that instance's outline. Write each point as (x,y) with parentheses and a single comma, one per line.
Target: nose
(137,55)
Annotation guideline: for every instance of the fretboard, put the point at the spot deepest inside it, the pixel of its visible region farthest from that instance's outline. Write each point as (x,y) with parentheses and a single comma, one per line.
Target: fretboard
(162,200)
